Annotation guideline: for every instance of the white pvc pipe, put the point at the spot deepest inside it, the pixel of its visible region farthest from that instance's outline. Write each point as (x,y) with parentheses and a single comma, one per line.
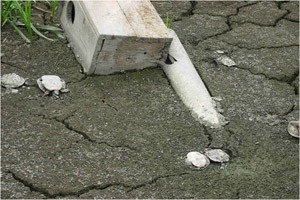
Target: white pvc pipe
(189,86)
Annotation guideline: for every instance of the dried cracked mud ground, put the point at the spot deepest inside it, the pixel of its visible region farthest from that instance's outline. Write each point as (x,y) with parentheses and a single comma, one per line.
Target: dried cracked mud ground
(126,135)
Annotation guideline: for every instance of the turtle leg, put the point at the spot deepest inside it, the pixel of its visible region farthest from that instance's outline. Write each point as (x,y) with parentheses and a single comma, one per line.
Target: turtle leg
(46,93)
(65,90)
(56,93)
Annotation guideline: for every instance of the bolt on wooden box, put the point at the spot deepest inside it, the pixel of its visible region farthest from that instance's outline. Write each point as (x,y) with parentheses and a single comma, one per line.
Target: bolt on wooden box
(115,35)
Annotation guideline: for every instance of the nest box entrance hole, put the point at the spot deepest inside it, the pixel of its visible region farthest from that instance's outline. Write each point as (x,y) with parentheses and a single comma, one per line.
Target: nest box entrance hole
(70,12)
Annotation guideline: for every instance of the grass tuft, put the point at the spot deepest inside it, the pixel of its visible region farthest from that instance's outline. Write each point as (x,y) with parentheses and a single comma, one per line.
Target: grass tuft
(18,13)
(168,21)
(53,8)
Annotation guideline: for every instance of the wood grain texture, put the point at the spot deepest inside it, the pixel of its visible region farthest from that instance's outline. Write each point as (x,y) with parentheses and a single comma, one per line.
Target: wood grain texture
(143,18)
(107,18)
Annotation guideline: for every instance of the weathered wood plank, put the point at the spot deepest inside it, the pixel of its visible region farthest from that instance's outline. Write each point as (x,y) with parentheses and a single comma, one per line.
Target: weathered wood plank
(107,17)
(143,18)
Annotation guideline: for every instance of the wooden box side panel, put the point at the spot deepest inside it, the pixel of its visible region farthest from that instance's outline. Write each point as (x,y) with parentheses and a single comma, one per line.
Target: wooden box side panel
(80,33)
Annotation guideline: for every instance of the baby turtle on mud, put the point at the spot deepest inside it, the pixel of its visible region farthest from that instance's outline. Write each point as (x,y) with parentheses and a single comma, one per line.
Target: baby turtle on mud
(217,155)
(12,80)
(52,84)
(293,128)
(225,60)
(197,159)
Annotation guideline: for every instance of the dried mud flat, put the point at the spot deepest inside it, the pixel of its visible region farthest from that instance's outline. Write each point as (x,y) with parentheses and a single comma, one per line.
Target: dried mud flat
(126,135)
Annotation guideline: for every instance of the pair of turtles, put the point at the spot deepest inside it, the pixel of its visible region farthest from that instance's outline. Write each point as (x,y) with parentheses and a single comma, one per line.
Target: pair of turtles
(49,84)
(201,161)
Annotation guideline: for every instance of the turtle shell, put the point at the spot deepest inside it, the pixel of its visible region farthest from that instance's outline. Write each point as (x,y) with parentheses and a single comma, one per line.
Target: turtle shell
(225,60)
(12,80)
(293,128)
(197,159)
(217,155)
(51,82)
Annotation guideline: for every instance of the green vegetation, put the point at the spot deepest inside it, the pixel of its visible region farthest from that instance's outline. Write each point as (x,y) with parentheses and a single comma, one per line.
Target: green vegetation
(53,8)
(168,21)
(18,14)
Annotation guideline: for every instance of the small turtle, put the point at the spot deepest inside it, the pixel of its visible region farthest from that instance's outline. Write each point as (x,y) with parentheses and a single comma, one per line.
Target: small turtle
(293,128)
(12,80)
(225,60)
(52,84)
(217,155)
(197,159)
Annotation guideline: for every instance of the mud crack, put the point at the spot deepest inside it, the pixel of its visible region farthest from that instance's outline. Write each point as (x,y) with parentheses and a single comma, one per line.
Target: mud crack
(211,36)
(29,185)
(91,187)
(232,144)
(287,80)
(154,180)
(279,5)
(82,133)
(36,188)
(289,111)
(79,80)
(262,47)
(12,65)
(190,11)
(228,23)
(209,136)
(282,17)
(243,6)
(265,25)
(109,105)
(87,137)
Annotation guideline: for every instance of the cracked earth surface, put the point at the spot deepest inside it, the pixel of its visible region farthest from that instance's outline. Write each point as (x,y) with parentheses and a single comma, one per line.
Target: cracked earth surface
(126,135)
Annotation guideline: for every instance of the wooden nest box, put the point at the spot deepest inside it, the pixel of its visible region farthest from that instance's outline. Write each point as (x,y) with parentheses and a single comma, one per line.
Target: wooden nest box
(115,35)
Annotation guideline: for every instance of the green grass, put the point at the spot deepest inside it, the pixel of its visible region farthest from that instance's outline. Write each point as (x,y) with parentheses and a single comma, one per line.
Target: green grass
(53,8)
(18,14)
(168,21)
